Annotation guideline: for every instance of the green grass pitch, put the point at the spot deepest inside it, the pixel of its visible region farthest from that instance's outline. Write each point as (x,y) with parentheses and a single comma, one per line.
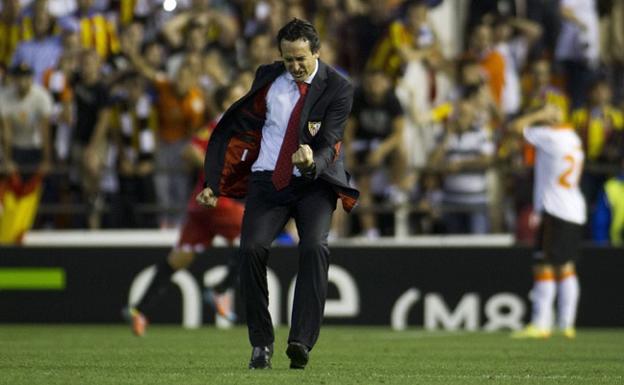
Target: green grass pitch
(344,355)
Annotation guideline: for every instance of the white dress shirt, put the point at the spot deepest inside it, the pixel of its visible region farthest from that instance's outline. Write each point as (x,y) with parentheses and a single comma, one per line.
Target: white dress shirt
(280,100)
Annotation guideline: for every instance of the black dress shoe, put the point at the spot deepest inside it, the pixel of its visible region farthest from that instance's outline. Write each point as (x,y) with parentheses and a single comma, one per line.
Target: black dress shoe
(261,357)
(299,355)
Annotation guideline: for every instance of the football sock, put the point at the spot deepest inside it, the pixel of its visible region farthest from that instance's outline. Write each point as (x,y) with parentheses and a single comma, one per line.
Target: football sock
(543,298)
(231,279)
(569,291)
(158,286)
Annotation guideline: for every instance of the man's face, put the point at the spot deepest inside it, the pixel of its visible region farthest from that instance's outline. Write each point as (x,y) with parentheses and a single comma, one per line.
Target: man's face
(154,55)
(260,49)
(235,93)
(541,73)
(134,34)
(196,39)
(601,94)
(90,65)
(42,23)
(417,15)
(376,86)
(481,38)
(23,83)
(71,42)
(185,79)
(85,5)
(503,32)
(298,58)
(465,113)
(471,74)
(135,88)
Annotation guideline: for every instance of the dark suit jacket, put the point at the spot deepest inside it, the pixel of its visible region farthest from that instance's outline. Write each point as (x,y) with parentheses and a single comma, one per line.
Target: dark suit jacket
(235,142)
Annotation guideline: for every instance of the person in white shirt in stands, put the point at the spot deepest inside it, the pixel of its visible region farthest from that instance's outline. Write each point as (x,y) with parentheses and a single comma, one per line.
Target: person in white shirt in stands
(25,109)
(559,210)
(514,39)
(578,46)
(464,152)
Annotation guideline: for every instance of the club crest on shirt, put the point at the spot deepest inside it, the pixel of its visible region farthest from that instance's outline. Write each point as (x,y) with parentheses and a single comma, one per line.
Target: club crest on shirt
(314,127)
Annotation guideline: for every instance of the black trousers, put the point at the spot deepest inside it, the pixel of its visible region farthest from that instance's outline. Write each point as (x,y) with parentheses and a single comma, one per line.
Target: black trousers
(311,204)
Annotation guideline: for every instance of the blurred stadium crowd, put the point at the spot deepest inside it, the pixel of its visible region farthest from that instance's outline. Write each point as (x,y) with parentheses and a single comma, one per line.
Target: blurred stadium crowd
(101,98)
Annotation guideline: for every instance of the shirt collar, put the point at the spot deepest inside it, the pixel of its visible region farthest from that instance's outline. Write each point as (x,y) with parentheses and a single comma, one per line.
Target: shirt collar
(310,78)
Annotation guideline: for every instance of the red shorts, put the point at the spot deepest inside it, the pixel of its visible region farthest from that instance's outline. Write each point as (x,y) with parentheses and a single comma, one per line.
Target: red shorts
(202,226)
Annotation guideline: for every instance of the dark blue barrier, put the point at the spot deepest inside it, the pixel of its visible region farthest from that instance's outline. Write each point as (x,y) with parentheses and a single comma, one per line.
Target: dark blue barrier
(446,288)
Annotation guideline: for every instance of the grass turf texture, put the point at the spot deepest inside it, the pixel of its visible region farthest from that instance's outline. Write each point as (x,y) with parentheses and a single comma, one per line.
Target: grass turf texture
(171,355)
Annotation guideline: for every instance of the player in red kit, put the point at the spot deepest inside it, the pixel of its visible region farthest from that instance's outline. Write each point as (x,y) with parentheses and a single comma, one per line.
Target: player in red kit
(198,232)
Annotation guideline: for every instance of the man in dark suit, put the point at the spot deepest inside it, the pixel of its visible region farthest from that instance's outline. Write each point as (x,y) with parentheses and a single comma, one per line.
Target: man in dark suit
(279,146)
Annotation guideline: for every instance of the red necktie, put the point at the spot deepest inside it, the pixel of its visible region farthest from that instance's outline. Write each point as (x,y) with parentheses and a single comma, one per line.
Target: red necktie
(284,167)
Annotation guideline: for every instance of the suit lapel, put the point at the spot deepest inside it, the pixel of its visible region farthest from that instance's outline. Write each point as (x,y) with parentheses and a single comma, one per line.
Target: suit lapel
(319,83)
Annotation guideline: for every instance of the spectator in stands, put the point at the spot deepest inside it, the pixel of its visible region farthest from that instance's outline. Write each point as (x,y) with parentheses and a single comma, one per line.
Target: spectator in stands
(136,121)
(329,18)
(464,152)
(97,32)
(429,204)
(540,88)
(194,44)
(543,12)
(154,54)
(25,110)
(599,123)
(481,49)
(213,74)
(362,29)
(2,75)
(194,29)
(12,31)
(473,79)
(425,84)
(577,47)
(14,28)
(57,81)
(612,47)
(244,79)
(608,217)
(513,40)
(181,111)
(89,149)
(260,50)
(118,64)
(410,40)
(373,138)
(547,14)
(484,10)
(601,128)
(45,48)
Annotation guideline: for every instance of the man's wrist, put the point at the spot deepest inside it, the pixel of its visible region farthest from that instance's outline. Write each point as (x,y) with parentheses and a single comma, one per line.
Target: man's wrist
(309,171)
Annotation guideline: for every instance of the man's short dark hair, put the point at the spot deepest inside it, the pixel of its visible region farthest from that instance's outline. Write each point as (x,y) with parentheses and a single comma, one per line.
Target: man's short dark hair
(20,70)
(415,3)
(299,29)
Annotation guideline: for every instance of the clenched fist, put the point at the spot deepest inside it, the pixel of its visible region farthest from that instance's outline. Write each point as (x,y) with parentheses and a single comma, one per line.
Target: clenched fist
(206,198)
(303,157)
